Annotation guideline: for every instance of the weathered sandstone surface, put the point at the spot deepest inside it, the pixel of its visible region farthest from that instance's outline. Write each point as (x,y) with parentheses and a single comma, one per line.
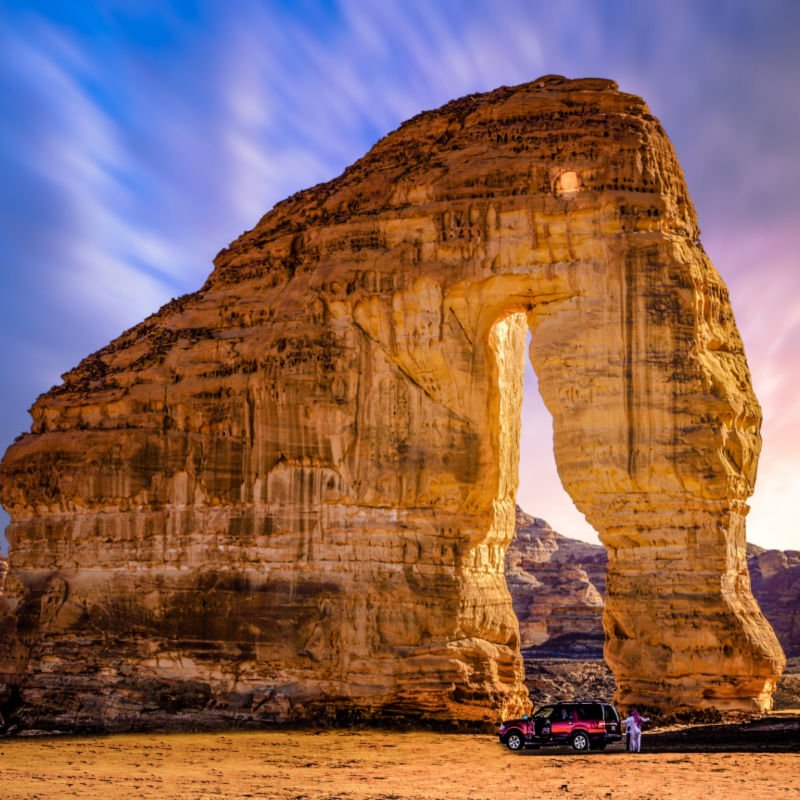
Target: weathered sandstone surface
(290,493)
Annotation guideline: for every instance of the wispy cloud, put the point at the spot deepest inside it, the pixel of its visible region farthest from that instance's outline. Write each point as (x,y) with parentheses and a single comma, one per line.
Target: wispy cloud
(75,150)
(144,138)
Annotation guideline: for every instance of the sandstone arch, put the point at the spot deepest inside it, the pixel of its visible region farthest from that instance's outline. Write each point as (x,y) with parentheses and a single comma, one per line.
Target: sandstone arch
(290,493)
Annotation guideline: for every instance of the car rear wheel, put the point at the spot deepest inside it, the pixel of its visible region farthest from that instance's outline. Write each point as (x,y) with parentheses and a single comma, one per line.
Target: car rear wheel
(580,742)
(514,741)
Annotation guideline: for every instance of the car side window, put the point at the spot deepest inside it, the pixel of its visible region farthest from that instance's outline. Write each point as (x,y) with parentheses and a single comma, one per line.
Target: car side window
(545,712)
(566,713)
(589,712)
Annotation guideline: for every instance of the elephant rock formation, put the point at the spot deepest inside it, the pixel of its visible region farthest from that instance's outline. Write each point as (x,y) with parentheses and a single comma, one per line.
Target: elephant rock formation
(289,494)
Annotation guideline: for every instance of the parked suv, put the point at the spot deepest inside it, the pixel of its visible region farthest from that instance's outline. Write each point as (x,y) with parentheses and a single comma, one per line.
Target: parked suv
(582,724)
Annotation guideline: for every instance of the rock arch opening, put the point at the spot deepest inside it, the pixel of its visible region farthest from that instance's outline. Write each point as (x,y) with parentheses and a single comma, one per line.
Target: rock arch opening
(555,565)
(614,443)
(540,490)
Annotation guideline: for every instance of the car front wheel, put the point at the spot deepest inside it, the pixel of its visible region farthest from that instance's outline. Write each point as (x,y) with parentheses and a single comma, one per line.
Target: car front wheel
(580,742)
(514,741)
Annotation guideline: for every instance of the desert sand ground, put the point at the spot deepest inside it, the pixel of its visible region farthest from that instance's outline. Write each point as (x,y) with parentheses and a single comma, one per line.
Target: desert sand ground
(376,765)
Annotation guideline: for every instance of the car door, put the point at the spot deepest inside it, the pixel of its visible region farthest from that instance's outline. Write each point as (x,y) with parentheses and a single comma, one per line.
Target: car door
(611,720)
(561,722)
(541,721)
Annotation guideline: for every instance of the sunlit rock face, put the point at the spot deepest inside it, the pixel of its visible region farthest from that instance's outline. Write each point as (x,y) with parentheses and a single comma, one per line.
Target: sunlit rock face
(290,494)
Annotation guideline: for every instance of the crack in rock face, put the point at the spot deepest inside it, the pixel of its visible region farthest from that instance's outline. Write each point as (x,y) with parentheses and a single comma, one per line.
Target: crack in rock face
(288,495)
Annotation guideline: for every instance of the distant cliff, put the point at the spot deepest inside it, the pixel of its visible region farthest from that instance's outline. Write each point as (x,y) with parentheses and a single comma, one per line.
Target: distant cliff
(557,586)
(775,577)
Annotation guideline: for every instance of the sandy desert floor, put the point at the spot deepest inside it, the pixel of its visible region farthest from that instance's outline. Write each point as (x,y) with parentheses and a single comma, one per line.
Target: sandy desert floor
(376,765)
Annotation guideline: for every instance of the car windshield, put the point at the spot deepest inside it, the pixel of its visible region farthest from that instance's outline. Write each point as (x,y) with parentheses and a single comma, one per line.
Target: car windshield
(544,711)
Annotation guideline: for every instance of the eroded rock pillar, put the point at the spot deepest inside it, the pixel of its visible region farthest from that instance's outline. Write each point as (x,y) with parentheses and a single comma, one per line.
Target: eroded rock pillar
(656,434)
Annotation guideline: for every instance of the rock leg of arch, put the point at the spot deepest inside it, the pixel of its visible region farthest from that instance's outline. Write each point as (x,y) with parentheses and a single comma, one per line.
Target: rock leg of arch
(655,432)
(289,494)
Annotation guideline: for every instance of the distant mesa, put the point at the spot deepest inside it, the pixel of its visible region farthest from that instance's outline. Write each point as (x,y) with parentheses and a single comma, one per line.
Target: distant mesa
(289,495)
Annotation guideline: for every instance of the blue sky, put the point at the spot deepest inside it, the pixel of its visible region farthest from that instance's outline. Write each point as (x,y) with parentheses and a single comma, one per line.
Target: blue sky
(139,138)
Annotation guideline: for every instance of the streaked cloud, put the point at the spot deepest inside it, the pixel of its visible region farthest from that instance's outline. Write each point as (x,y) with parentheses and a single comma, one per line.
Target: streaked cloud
(144,137)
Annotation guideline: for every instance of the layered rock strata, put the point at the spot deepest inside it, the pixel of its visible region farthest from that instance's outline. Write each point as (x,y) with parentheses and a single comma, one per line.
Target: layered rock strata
(557,586)
(290,493)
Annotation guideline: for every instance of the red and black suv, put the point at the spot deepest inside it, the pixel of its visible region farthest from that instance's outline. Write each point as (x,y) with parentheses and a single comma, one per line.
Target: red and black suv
(582,724)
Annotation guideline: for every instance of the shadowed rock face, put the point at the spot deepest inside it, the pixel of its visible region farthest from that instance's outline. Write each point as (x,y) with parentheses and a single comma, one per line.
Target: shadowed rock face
(775,575)
(290,493)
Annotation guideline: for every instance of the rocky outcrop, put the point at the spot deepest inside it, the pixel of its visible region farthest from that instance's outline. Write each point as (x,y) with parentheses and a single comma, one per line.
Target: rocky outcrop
(775,577)
(290,494)
(3,573)
(557,586)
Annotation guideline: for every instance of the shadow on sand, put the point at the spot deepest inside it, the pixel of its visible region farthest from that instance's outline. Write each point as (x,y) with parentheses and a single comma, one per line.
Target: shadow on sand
(773,734)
